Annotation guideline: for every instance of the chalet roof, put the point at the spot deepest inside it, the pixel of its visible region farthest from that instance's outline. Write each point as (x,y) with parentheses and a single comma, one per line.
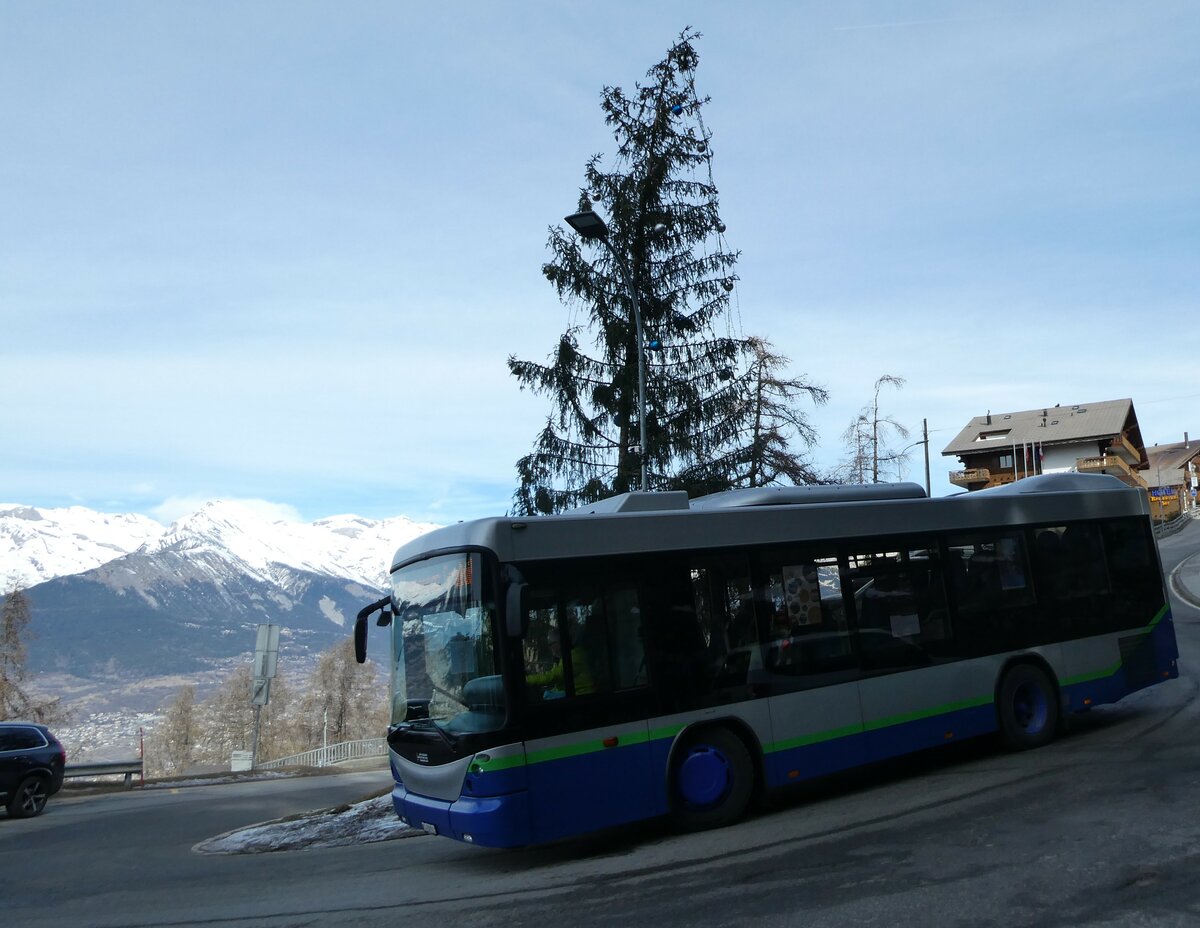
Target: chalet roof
(1062,424)
(1167,461)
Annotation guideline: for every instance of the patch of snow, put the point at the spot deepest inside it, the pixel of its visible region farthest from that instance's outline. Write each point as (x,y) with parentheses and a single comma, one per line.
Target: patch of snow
(216,781)
(330,610)
(360,823)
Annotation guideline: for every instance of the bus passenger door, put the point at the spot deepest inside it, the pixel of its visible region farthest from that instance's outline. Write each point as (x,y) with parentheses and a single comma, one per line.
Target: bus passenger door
(809,661)
(916,692)
(587,704)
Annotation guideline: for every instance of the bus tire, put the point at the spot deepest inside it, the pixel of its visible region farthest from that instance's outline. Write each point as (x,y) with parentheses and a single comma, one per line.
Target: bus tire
(1028,708)
(712,780)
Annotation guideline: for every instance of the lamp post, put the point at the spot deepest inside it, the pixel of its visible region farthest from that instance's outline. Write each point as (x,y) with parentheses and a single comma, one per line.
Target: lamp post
(924,441)
(590,226)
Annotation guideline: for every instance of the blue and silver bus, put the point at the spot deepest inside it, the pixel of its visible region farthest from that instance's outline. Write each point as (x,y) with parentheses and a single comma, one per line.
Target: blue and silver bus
(657,656)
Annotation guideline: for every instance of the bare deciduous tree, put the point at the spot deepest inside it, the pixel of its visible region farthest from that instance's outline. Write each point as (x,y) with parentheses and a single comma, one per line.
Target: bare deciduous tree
(340,690)
(866,438)
(227,720)
(346,693)
(171,747)
(15,699)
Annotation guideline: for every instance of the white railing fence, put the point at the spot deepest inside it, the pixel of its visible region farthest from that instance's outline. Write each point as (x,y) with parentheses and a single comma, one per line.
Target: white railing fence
(333,754)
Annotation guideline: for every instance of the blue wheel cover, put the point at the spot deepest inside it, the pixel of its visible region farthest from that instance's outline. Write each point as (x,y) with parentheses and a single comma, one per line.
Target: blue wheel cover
(1030,708)
(705,776)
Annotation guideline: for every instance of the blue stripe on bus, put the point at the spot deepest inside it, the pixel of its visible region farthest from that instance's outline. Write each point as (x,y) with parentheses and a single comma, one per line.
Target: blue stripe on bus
(586,792)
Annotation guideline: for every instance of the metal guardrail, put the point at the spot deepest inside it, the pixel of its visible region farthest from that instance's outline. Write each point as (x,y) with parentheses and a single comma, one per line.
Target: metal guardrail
(1163,529)
(107,768)
(328,756)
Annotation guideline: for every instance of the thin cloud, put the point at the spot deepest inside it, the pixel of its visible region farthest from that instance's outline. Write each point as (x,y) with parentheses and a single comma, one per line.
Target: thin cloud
(174,508)
(904,24)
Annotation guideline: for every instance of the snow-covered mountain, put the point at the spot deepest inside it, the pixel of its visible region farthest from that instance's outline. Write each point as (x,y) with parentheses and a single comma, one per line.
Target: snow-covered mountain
(189,596)
(40,544)
(348,547)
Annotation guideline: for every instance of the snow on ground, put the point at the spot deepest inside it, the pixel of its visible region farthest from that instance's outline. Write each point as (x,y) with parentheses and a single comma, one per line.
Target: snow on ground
(232,778)
(359,823)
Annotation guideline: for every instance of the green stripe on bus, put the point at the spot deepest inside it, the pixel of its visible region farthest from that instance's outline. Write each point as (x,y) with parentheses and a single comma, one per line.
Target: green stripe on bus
(578,749)
(584,747)
(834,733)
(1116,668)
(815,738)
(1092,676)
(946,708)
(496,764)
(670,731)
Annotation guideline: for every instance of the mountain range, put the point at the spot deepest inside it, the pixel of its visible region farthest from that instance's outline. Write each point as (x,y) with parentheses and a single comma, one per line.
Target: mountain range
(121,595)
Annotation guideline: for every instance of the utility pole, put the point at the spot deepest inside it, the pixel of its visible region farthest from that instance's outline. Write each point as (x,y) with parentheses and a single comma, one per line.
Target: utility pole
(925,441)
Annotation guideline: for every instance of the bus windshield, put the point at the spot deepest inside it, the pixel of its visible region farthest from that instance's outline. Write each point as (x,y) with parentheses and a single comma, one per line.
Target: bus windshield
(444,667)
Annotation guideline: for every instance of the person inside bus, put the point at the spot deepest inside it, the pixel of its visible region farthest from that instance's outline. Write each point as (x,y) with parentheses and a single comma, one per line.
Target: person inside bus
(553,681)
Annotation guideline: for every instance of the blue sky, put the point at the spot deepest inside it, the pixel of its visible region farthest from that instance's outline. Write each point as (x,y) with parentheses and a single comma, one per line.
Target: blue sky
(281,251)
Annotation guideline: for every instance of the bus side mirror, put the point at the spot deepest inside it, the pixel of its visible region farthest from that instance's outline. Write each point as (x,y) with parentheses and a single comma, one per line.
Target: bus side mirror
(360,639)
(514,612)
(360,627)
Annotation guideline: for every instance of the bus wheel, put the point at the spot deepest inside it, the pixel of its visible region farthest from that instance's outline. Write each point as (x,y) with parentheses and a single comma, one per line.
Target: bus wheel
(1028,708)
(712,780)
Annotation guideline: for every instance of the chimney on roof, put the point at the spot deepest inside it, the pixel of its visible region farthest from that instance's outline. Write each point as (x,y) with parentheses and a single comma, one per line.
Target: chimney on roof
(989,418)
(1186,443)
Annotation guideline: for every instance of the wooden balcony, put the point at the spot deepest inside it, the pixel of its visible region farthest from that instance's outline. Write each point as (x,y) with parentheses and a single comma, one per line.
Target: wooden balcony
(1120,445)
(1113,464)
(972,479)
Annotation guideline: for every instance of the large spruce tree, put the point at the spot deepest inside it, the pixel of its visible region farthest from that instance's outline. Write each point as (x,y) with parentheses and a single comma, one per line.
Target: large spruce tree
(665,240)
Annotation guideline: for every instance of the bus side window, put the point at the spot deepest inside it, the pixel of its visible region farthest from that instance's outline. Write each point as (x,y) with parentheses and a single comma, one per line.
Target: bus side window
(1071,580)
(890,610)
(1136,581)
(724,614)
(901,610)
(990,585)
(542,648)
(801,598)
(589,653)
(626,651)
(937,633)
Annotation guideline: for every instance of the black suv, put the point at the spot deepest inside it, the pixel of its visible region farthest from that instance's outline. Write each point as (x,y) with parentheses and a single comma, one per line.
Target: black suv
(31,767)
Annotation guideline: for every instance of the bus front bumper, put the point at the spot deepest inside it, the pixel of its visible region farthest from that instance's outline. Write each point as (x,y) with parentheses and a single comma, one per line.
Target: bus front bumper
(492,821)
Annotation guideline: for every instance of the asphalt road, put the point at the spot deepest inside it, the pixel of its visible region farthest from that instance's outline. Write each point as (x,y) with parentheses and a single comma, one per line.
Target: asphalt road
(1101,828)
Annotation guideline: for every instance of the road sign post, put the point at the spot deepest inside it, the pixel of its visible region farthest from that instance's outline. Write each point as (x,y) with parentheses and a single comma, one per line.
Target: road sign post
(266,656)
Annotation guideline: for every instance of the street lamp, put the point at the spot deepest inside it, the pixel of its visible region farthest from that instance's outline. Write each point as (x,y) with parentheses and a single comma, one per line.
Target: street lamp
(924,441)
(590,226)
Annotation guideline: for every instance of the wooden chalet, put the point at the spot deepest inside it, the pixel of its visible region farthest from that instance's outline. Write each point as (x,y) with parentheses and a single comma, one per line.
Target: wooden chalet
(1090,438)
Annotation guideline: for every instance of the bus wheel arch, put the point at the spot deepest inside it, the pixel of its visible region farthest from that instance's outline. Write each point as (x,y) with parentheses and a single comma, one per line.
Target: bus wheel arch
(1028,703)
(714,773)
